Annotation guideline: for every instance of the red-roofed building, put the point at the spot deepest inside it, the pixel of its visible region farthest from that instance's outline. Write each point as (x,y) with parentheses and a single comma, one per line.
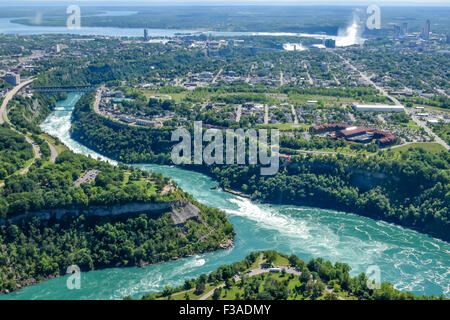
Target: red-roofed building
(328,127)
(352,132)
(356,134)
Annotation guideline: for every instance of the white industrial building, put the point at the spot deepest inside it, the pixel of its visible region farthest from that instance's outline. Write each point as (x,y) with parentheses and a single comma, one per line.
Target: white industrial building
(311,102)
(378,108)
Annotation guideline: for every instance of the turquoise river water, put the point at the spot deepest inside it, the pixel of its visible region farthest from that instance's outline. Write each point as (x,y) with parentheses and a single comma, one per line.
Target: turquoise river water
(410,260)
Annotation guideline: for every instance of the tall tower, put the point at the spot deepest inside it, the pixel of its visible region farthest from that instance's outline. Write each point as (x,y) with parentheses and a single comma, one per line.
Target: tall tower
(145,34)
(405,28)
(397,31)
(427,30)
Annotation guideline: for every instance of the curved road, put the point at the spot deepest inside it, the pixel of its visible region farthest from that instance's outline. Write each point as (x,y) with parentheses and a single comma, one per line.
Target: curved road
(4,118)
(8,97)
(36,150)
(98,98)
(53,152)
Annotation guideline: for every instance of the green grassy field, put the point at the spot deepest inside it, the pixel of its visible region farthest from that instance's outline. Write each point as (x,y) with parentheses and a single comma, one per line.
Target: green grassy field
(281,261)
(327,101)
(60,147)
(427,146)
(411,124)
(177,97)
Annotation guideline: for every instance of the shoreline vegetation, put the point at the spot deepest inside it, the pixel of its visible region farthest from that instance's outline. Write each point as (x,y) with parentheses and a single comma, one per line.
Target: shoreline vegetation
(270,275)
(99,240)
(250,82)
(34,249)
(408,188)
(94,247)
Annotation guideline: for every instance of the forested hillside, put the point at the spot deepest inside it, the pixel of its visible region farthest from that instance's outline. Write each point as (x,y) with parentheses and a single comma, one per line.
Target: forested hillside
(36,250)
(54,186)
(93,242)
(14,152)
(411,188)
(27,113)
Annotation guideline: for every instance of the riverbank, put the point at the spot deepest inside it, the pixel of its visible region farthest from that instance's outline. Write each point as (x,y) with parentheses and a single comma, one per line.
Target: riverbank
(237,193)
(322,205)
(310,202)
(379,187)
(168,223)
(226,245)
(409,260)
(102,240)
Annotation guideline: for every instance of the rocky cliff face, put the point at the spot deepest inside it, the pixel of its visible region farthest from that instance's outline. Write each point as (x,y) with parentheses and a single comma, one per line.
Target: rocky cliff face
(181,211)
(363,179)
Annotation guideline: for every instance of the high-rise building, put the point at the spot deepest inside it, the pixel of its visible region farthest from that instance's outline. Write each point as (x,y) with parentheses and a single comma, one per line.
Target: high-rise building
(330,43)
(12,78)
(448,38)
(426,31)
(145,34)
(397,31)
(405,28)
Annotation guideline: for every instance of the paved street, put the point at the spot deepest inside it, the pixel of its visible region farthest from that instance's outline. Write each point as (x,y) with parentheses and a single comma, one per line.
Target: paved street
(423,125)
(4,118)
(8,97)
(383,92)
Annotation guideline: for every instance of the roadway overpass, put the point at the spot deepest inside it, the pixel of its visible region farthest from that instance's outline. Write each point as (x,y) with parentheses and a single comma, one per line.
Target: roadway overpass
(64,89)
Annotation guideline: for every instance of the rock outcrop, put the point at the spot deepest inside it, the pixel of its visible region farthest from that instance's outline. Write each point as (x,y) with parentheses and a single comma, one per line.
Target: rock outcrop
(181,211)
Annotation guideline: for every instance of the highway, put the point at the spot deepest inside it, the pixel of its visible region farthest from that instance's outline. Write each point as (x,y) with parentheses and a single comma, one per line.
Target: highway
(4,118)
(369,81)
(98,97)
(239,113)
(8,97)
(294,114)
(310,80)
(266,114)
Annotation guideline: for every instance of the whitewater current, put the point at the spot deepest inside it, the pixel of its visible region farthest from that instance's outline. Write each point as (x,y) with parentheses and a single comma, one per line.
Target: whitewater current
(411,261)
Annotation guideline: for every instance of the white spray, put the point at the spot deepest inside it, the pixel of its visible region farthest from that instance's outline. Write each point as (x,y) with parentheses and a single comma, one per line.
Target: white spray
(352,34)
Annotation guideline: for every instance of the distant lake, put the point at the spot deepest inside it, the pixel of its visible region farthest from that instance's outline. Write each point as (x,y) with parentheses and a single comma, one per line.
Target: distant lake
(8,27)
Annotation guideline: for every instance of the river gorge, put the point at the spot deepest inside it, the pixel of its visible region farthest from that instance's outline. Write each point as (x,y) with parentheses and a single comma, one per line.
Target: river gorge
(411,261)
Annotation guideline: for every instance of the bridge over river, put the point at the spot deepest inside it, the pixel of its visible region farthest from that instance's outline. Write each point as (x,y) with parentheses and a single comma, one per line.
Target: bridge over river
(64,89)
